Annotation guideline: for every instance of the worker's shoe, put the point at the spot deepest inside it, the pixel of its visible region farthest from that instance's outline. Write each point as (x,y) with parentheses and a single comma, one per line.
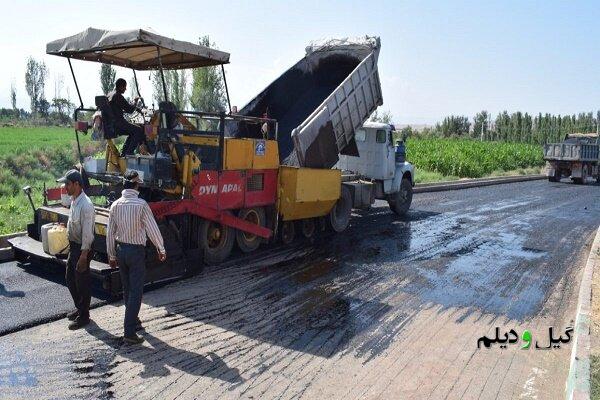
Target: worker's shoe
(72,315)
(79,323)
(138,325)
(133,339)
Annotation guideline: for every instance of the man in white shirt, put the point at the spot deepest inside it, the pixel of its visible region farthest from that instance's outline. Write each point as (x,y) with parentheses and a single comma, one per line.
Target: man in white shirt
(130,221)
(80,230)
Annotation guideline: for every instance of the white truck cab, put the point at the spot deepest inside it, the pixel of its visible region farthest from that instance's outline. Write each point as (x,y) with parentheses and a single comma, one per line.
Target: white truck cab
(393,180)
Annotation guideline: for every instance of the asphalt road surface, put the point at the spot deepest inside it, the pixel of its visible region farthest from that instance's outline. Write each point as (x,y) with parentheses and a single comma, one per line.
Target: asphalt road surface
(34,294)
(392,308)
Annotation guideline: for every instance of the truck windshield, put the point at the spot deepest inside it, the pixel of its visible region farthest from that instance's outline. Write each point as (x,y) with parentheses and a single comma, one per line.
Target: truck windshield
(360,135)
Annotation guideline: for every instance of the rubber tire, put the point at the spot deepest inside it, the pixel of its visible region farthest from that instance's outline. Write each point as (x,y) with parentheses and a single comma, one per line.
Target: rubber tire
(339,216)
(400,201)
(308,227)
(287,232)
(215,255)
(241,238)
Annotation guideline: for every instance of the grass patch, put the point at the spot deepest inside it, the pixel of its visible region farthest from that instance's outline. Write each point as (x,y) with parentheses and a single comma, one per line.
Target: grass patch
(16,139)
(466,158)
(422,176)
(33,156)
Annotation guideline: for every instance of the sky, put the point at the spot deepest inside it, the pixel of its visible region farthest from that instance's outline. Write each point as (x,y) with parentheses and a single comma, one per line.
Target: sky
(437,57)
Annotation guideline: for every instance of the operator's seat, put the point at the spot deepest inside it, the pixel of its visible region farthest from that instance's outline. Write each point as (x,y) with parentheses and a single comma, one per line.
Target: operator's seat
(108,118)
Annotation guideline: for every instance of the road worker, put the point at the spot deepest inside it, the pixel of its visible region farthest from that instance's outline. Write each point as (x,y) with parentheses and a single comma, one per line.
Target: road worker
(80,230)
(135,133)
(130,221)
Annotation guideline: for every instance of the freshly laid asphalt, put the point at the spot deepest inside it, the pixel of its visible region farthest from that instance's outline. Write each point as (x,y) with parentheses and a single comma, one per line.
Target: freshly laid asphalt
(32,293)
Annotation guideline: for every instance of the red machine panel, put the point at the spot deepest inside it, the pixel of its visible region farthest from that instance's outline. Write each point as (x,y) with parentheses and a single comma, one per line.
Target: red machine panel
(232,187)
(205,188)
(261,187)
(228,190)
(219,190)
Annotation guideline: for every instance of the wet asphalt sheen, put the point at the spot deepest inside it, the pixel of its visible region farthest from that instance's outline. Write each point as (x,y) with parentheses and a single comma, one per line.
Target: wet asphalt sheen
(498,249)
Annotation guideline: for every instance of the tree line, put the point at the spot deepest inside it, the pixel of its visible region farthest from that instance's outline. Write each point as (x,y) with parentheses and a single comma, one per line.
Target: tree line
(516,127)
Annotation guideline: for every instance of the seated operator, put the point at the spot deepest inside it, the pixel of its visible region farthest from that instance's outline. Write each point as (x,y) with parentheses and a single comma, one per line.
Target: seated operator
(135,133)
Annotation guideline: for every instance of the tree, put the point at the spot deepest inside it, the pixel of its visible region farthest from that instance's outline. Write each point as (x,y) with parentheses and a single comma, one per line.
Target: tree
(35,81)
(13,96)
(208,89)
(385,118)
(108,75)
(175,82)
(481,124)
(62,107)
(454,126)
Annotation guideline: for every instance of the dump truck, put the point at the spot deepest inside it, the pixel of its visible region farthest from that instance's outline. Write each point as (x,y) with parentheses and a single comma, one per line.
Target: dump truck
(576,157)
(219,180)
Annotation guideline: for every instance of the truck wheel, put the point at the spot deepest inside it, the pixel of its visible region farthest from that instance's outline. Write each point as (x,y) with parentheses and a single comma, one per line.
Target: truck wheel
(339,216)
(308,227)
(248,242)
(399,202)
(288,232)
(215,240)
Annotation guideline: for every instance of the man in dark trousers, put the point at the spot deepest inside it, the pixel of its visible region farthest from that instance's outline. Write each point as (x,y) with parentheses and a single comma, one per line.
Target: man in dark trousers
(130,221)
(80,230)
(135,133)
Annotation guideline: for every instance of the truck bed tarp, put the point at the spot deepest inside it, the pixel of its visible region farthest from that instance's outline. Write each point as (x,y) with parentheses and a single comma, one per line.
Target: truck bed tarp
(136,49)
(299,91)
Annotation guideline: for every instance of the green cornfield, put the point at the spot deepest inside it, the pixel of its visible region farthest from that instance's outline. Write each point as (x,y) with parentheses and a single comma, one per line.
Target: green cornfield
(470,158)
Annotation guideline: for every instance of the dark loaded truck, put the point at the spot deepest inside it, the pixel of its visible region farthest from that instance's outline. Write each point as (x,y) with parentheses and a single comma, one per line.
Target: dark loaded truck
(576,157)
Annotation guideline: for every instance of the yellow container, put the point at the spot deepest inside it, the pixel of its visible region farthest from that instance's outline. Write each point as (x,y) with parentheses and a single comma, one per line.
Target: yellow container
(307,192)
(242,154)
(58,242)
(265,154)
(237,154)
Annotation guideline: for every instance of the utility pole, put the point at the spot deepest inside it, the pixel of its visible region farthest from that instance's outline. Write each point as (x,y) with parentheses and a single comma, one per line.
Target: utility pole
(482,124)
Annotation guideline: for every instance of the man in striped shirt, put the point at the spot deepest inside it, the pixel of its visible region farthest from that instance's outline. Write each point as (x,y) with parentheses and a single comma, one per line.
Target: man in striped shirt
(129,222)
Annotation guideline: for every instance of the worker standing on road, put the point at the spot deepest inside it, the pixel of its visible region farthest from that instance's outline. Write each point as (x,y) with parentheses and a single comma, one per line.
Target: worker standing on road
(129,222)
(80,230)
(135,133)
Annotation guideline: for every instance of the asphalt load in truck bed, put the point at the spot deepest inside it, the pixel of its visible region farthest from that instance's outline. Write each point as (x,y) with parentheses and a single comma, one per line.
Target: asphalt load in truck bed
(392,308)
(294,96)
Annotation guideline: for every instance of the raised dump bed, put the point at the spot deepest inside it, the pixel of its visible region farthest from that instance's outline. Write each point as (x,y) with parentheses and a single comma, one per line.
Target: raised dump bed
(320,102)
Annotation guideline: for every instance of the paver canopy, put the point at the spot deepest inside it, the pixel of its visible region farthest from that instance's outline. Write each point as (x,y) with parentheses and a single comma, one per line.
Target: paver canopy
(137,49)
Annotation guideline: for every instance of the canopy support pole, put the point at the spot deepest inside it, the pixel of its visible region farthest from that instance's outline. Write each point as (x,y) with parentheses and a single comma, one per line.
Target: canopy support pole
(226,89)
(75,80)
(75,113)
(162,75)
